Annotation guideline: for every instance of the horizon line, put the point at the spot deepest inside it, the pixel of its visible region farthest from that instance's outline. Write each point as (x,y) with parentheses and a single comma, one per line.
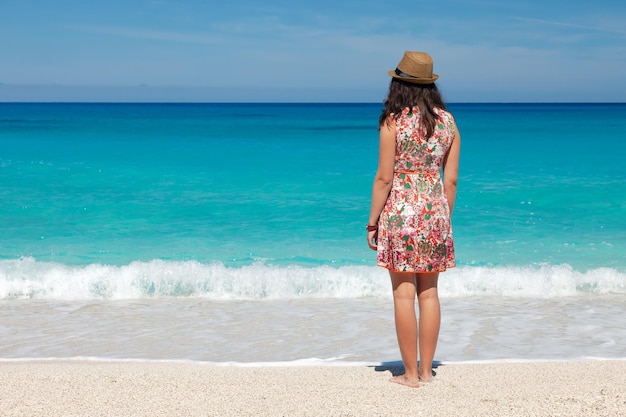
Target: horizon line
(289,102)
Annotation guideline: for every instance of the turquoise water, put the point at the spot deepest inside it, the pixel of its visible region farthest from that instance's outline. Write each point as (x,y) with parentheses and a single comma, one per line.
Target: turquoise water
(290,184)
(230,183)
(207,213)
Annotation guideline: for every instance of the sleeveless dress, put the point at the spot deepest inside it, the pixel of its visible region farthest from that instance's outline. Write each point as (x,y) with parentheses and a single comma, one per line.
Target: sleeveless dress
(414,229)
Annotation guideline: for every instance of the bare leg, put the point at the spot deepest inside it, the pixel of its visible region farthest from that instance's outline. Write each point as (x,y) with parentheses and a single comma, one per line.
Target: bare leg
(404,291)
(429,322)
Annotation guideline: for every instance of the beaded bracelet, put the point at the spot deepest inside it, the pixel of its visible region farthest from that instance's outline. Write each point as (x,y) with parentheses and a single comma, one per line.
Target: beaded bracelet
(371,227)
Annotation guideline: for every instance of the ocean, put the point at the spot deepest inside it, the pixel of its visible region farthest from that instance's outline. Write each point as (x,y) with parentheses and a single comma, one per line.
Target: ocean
(234,233)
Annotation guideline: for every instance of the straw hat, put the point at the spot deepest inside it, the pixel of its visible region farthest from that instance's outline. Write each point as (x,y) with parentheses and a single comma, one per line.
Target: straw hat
(415,67)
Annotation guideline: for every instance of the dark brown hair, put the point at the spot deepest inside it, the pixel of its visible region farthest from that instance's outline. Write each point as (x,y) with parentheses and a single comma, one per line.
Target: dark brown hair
(425,97)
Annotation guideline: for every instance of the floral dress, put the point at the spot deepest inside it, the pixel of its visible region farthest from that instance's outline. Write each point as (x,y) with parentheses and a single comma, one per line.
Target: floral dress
(414,230)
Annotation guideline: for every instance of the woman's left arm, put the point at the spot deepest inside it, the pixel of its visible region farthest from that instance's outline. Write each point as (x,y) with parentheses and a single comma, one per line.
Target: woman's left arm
(384,176)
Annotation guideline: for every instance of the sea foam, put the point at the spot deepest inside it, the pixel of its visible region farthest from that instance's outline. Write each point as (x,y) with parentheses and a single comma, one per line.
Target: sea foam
(29,278)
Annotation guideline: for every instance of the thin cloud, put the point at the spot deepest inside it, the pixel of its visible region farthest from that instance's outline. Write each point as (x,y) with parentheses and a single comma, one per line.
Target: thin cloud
(571,25)
(157,35)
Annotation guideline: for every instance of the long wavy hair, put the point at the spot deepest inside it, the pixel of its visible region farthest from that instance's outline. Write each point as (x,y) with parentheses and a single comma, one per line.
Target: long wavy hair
(425,97)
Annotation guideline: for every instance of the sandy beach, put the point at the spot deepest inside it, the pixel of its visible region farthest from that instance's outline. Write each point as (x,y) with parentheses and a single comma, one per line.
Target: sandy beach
(92,388)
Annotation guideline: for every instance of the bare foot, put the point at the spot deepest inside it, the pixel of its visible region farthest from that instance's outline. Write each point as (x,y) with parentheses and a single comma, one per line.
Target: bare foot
(426,377)
(404,380)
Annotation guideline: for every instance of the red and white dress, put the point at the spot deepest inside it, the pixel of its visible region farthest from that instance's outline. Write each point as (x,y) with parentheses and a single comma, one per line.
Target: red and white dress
(414,229)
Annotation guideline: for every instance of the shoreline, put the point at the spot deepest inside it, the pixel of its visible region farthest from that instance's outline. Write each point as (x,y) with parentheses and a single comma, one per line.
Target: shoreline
(84,386)
(299,363)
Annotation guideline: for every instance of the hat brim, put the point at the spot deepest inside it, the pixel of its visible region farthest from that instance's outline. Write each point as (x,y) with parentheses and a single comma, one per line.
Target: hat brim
(414,80)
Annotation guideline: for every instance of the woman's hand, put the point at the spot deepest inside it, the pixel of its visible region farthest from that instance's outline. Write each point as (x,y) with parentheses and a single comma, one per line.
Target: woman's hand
(371,239)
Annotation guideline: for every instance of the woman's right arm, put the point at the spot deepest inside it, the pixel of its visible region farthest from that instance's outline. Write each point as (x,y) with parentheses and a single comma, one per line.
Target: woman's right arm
(451,169)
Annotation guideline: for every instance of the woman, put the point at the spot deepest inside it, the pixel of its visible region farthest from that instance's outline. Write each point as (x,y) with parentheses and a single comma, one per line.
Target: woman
(409,224)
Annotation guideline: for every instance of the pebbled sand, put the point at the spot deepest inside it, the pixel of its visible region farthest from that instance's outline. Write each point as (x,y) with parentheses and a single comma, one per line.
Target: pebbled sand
(91,388)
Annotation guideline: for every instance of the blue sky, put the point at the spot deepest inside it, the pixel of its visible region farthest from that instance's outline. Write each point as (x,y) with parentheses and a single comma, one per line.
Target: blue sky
(275,50)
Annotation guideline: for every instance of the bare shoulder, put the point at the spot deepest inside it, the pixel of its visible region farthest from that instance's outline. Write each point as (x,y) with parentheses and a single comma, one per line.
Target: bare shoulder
(389,124)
